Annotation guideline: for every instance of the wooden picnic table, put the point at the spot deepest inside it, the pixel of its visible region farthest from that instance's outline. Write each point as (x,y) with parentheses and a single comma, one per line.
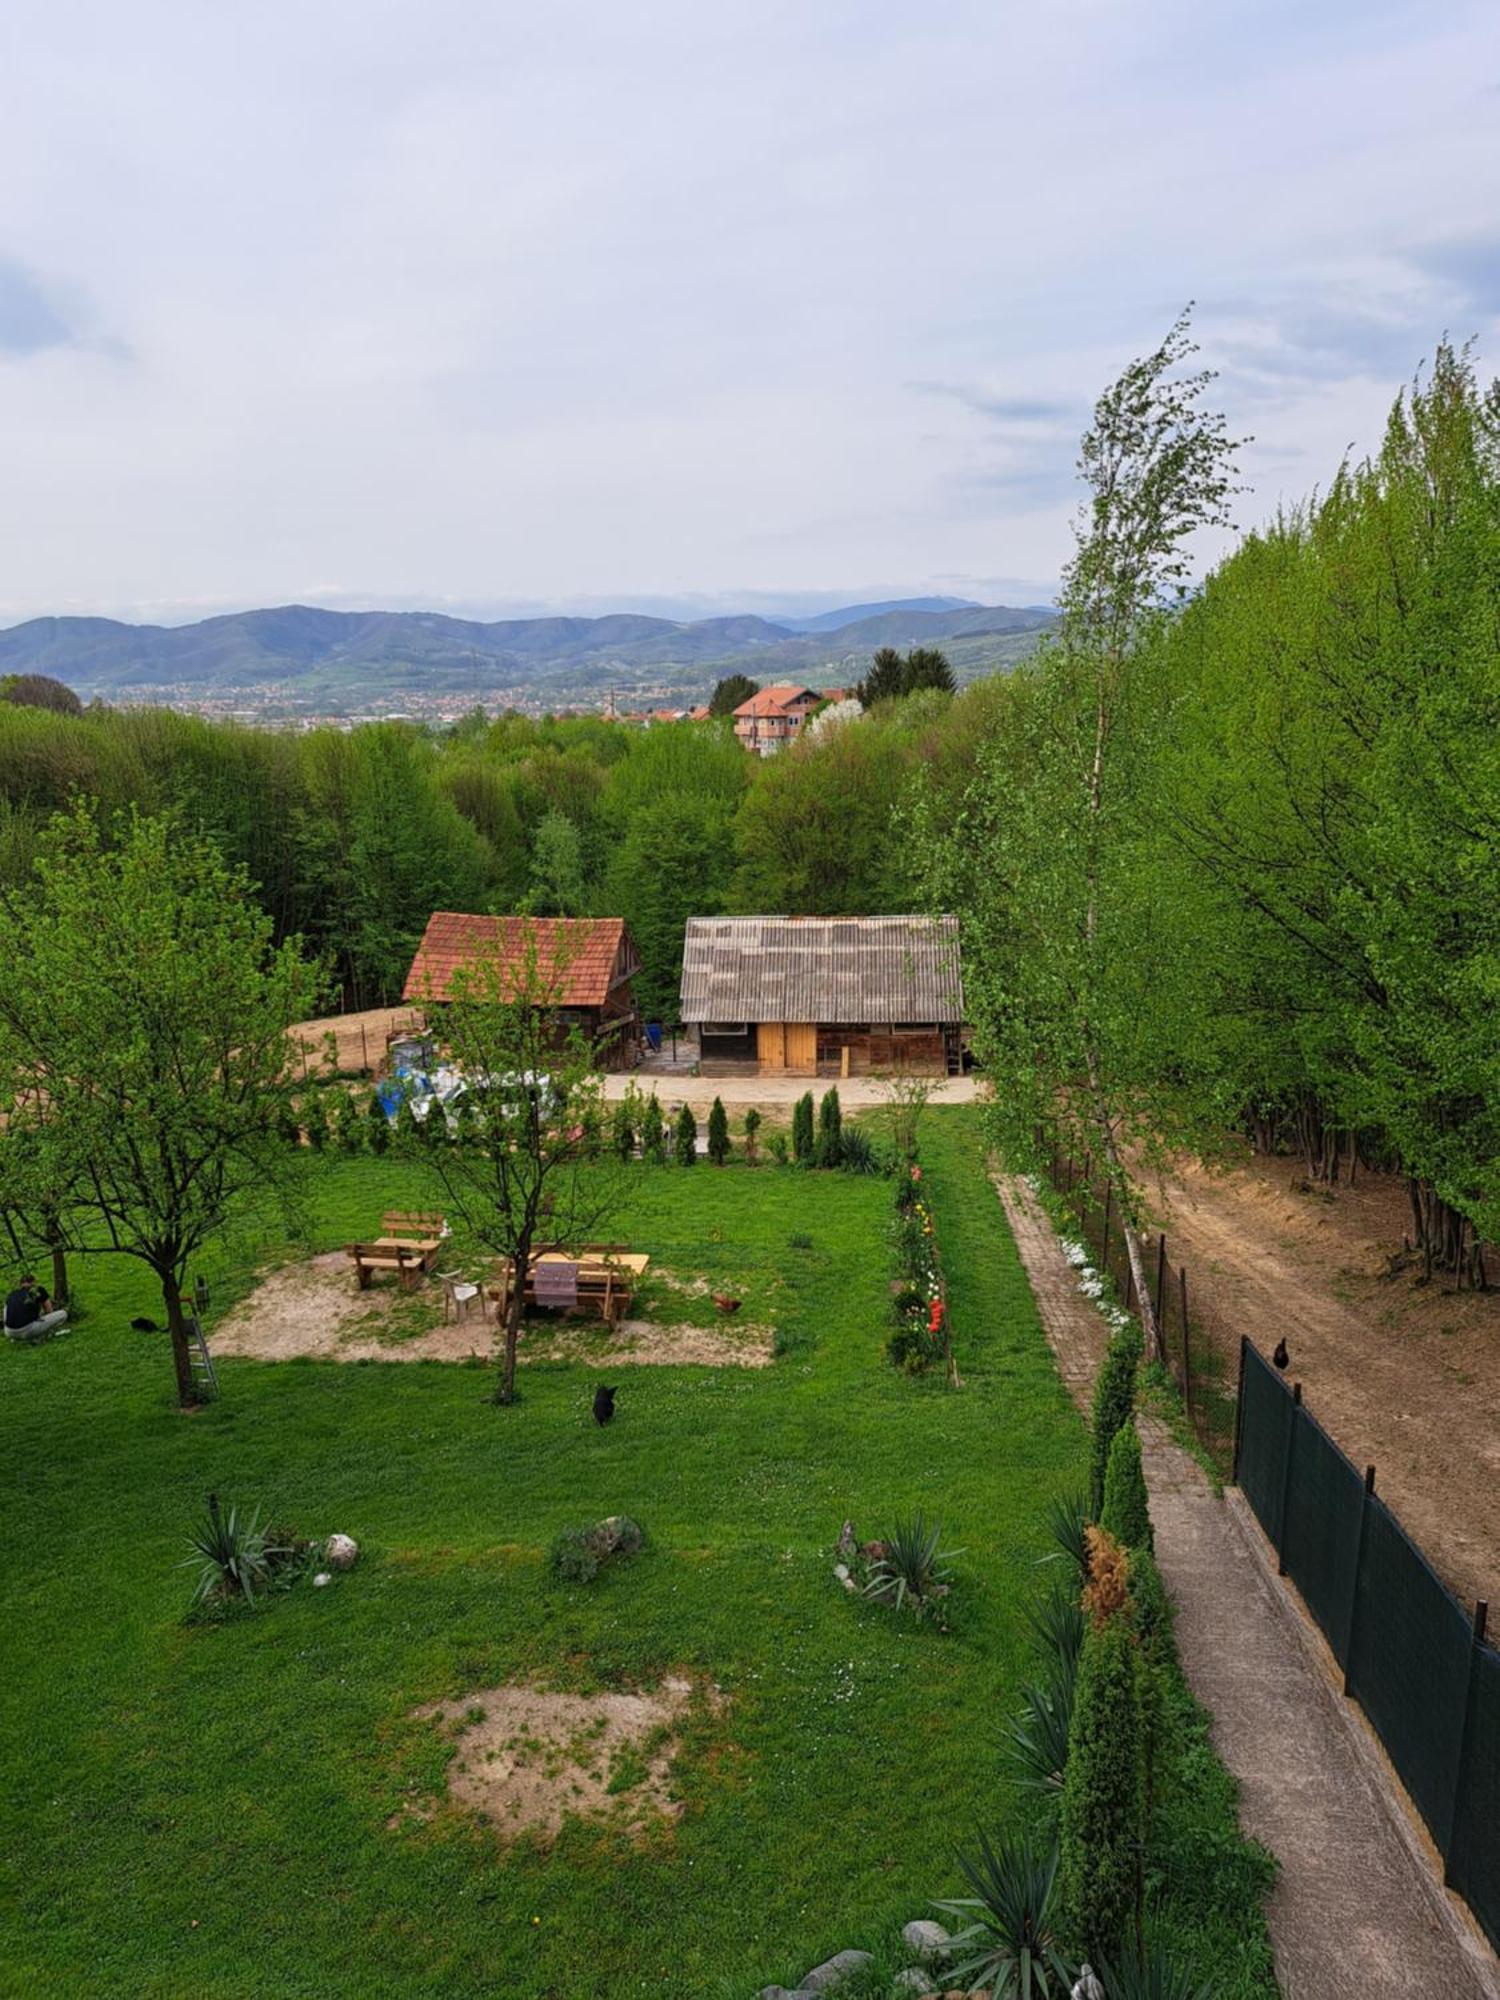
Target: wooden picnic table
(606,1278)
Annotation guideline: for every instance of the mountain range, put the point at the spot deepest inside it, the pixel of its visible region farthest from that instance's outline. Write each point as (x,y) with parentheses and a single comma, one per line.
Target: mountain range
(332,655)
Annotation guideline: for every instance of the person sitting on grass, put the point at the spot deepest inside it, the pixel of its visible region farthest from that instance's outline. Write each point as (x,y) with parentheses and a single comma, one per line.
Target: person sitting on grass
(29,1313)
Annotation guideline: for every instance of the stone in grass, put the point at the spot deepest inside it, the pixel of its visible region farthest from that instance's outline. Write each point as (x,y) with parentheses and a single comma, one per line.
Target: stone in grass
(834,1971)
(616,1536)
(341,1551)
(928,1943)
(913,1980)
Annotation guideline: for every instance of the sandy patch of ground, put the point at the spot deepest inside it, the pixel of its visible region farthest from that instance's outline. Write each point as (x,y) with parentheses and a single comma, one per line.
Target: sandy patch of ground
(526,1759)
(359,1039)
(315,1309)
(1404,1376)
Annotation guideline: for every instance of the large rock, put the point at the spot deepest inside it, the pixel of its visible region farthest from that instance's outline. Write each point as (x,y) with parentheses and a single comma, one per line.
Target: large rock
(928,1943)
(341,1550)
(913,1980)
(616,1536)
(834,1971)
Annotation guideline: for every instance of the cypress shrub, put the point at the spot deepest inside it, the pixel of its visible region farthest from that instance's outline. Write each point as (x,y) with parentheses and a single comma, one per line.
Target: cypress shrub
(829,1151)
(1114,1404)
(653,1133)
(315,1120)
(351,1127)
(379,1125)
(752,1126)
(718,1133)
(685,1138)
(1125,1512)
(1103,1794)
(802,1129)
(622,1132)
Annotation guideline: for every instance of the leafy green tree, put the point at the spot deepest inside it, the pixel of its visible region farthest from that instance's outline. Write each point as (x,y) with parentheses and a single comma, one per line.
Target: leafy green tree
(718,1133)
(1125,1512)
(730,692)
(675,861)
(557,878)
(803,1143)
(928,667)
(828,1150)
(39,691)
(685,1138)
(886,679)
(162,1074)
(527,1156)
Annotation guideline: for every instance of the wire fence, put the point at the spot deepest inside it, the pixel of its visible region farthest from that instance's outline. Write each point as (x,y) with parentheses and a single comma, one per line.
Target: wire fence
(1198,1348)
(1414,1659)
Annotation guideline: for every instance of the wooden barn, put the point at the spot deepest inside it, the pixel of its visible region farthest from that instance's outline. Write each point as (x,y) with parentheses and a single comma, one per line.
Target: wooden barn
(824,996)
(588,962)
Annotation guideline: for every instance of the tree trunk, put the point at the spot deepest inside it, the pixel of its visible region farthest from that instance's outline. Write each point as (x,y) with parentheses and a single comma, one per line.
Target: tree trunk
(1145,1309)
(59,1271)
(187,1392)
(505,1389)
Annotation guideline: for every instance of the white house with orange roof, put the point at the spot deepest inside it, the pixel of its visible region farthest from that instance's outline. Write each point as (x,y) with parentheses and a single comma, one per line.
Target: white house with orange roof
(768,721)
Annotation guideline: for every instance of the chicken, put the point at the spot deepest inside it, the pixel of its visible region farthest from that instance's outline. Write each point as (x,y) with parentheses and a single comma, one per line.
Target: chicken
(725,1305)
(1279,1354)
(604,1404)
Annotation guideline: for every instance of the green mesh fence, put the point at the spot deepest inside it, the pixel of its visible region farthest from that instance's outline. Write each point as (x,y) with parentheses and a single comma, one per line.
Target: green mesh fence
(1320,1536)
(1474,1850)
(1408,1665)
(1265,1404)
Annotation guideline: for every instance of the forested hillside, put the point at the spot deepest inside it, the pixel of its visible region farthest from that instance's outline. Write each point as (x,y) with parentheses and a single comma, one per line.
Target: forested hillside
(355,837)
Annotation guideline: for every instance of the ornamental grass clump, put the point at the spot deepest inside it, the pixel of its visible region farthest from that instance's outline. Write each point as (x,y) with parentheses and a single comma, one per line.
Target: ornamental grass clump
(233,1556)
(912,1573)
(1008,1945)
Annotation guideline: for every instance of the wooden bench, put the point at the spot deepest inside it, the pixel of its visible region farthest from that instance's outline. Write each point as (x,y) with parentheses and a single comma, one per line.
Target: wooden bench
(414,1229)
(408,1261)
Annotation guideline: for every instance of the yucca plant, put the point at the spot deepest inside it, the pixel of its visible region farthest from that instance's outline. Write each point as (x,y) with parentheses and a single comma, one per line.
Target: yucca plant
(1007,1943)
(232,1554)
(1036,1740)
(1058,1622)
(1067,1518)
(913,1574)
(1154,1977)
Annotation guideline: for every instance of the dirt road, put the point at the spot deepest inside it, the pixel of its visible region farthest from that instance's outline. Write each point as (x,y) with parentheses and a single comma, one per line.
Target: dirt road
(1405,1376)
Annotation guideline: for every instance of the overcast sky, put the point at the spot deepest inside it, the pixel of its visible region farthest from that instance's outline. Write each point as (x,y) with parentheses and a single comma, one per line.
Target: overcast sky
(773,303)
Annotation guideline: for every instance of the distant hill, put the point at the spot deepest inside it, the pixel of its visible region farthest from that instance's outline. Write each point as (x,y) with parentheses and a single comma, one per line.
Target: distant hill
(852,614)
(331,657)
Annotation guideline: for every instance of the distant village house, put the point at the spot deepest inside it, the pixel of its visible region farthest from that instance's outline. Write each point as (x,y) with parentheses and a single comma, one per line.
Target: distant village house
(824,996)
(585,963)
(768,721)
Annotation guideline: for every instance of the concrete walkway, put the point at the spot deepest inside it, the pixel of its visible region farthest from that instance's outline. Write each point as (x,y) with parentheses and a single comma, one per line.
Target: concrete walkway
(1358,1907)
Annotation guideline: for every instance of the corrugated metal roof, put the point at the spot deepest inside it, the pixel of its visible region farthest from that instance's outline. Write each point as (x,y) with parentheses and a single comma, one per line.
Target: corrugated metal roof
(831,969)
(582,954)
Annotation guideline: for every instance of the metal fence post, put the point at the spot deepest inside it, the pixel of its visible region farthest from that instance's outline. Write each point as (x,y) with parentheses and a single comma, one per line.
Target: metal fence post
(1286,1477)
(1359,1560)
(1161,1273)
(1187,1350)
(1476,1645)
(1239,1410)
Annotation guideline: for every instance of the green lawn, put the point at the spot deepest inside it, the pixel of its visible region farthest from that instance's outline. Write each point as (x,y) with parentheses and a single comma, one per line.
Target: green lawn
(201,1809)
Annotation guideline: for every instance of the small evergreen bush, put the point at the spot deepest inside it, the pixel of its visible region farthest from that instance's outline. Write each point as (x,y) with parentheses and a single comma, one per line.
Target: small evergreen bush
(1103,1794)
(379,1126)
(828,1150)
(1125,1512)
(718,1133)
(685,1138)
(752,1126)
(653,1133)
(622,1132)
(1114,1404)
(573,1556)
(802,1130)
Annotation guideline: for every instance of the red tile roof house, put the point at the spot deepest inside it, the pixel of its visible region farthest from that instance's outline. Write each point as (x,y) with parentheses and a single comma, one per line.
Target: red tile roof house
(768,721)
(591,960)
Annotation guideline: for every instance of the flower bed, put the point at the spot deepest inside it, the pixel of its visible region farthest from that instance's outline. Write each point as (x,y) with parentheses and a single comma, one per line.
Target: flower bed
(921,1335)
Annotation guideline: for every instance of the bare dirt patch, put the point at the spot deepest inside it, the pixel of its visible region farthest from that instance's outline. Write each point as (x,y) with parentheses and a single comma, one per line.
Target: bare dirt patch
(525,1759)
(1404,1376)
(314,1309)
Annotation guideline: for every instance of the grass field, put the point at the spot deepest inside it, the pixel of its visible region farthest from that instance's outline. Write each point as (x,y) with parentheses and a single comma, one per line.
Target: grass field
(201,1809)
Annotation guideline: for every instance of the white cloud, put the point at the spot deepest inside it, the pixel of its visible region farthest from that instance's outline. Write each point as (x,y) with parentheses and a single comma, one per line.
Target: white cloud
(487,306)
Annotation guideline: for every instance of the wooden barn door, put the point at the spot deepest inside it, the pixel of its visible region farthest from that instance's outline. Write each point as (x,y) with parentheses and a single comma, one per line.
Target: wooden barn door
(770,1044)
(802,1048)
